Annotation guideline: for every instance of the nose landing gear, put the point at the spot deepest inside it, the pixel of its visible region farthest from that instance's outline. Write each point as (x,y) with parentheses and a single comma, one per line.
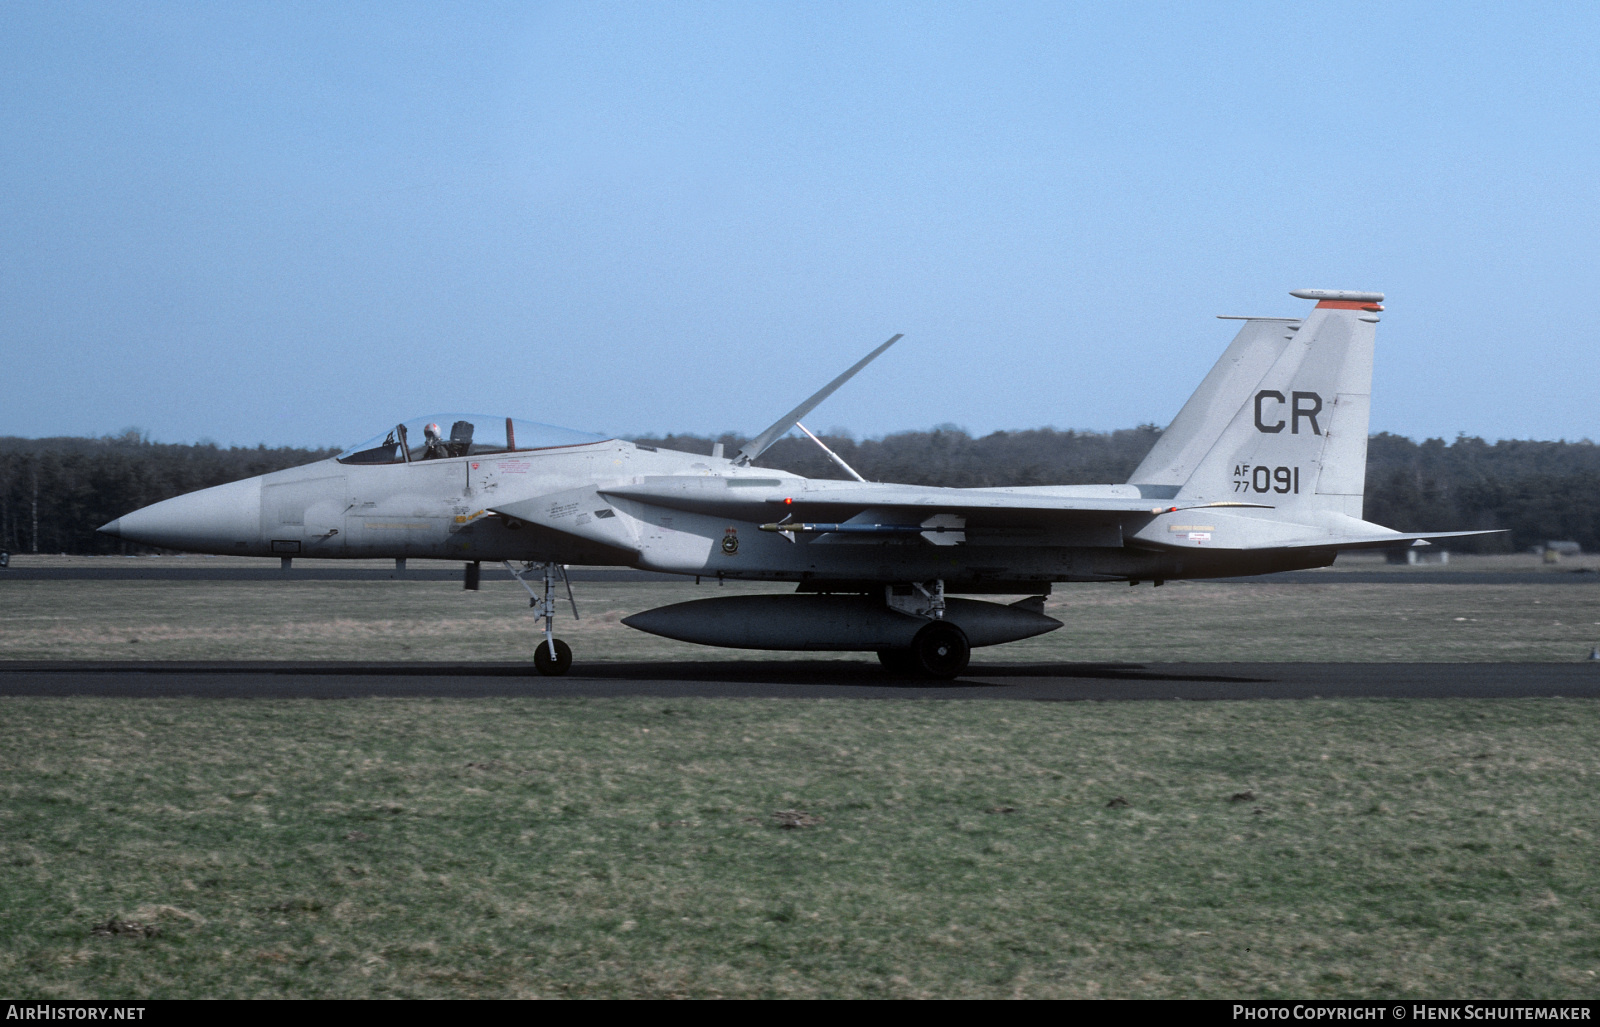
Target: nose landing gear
(553,657)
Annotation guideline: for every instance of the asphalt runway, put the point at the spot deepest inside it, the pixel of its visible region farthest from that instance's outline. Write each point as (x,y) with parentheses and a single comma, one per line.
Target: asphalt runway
(323,571)
(114,570)
(804,679)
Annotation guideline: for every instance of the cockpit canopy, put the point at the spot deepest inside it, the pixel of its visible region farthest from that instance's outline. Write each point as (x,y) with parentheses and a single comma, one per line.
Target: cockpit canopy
(461,435)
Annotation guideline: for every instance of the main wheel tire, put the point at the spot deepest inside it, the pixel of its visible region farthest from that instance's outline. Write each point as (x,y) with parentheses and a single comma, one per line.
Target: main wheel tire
(941,650)
(550,668)
(898,662)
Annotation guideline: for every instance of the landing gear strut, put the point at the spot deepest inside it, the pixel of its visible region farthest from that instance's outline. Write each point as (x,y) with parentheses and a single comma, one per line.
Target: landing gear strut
(939,649)
(553,657)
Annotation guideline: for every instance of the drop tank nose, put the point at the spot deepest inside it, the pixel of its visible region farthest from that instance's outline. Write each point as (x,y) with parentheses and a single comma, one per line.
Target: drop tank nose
(222,519)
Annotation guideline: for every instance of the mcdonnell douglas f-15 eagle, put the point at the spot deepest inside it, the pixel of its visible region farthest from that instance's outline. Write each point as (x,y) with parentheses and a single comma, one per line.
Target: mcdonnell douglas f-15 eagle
(1262,470)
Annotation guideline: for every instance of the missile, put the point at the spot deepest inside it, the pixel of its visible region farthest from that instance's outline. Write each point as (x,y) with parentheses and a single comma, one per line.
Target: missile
(799,528)
(940,529)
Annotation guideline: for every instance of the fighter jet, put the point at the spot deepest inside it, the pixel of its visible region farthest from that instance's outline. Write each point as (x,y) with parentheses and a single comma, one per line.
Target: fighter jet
(1262,470)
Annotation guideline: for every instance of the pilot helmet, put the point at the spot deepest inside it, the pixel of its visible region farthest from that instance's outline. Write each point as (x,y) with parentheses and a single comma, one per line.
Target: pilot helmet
(432,430)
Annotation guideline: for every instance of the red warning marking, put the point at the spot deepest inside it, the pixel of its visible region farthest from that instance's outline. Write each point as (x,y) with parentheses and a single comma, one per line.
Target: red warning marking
(1349,305)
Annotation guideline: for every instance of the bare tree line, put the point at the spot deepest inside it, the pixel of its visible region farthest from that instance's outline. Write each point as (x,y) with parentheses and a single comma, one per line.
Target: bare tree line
(55,492)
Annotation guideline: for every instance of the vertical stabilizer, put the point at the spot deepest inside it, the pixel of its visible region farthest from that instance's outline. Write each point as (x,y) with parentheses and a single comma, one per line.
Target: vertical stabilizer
(1190,436)
(1299,437)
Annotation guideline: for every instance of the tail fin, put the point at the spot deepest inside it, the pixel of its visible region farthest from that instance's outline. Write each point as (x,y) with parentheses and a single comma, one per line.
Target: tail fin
(1190,436)
(1297,435)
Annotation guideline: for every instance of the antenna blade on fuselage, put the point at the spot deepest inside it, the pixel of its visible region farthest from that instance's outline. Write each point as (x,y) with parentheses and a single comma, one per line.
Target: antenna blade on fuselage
(758,445)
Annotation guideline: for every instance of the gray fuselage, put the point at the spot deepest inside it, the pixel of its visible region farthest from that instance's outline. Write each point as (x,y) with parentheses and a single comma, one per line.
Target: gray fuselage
(453,508)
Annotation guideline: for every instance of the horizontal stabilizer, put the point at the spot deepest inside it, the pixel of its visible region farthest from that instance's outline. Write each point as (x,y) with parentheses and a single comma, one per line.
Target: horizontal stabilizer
(1393,541)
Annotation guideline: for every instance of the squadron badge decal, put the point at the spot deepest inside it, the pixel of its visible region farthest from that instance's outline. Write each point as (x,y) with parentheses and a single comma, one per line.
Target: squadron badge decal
(730,541)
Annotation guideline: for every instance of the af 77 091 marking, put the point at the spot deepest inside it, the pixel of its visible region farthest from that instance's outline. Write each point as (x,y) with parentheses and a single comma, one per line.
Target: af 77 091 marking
(1283,480)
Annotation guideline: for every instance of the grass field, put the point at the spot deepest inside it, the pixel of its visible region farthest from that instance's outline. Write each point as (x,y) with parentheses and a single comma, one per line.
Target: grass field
(436,620)
(630,848)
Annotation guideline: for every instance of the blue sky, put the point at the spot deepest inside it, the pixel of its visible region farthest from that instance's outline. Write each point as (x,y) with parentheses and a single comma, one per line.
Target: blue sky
(299,223)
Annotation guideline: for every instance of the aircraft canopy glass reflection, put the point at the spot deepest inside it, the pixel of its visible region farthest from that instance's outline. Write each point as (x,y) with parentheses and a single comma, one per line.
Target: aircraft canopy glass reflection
(439,436)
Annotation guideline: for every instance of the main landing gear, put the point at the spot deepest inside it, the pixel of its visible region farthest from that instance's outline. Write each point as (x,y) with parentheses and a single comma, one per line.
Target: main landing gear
(939,649)
(553,657)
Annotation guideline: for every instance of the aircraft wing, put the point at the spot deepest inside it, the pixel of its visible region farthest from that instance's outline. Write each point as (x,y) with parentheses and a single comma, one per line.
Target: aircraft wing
(751,498)
(942,514)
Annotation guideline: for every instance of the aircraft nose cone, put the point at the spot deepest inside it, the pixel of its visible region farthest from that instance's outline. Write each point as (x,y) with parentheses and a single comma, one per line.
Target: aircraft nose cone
(112,528)
(214,520)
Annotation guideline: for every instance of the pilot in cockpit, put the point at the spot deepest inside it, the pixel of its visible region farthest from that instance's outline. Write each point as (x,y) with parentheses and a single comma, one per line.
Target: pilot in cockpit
(434,445)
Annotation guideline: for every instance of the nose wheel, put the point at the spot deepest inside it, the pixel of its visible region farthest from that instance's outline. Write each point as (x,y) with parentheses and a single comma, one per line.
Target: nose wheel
(553,657)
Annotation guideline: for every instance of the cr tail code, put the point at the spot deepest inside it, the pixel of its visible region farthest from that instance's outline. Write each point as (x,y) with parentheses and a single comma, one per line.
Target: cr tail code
(1303,406)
